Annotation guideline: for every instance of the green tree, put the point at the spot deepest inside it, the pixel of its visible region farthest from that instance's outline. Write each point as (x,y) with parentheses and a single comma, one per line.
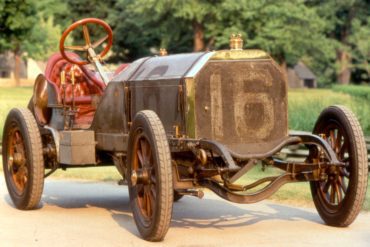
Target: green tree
(17,19)
(347,21)
(359,40)
(275,26)
(288,30)
(141,27)
(43,40)
(26,26)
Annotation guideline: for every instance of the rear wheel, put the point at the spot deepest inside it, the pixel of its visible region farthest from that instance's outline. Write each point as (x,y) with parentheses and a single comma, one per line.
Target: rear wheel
(23,162)
(340,196)
(149,166)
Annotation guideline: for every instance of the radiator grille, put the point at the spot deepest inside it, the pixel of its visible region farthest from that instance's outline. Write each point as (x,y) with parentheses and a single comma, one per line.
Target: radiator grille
(242,104)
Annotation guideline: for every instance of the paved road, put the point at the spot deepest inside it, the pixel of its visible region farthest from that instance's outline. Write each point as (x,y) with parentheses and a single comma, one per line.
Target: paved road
(78,213)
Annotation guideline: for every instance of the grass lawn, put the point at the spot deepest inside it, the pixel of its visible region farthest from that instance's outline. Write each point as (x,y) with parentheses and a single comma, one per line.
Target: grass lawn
(304,108)
(12,97)
(305,105)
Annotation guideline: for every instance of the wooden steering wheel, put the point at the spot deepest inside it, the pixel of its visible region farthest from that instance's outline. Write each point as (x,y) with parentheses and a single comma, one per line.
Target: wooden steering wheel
(89,46)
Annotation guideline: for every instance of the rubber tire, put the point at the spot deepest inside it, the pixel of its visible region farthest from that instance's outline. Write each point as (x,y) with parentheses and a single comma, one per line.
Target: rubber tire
(353,201)
(30,133)
(151,125)
(176,196)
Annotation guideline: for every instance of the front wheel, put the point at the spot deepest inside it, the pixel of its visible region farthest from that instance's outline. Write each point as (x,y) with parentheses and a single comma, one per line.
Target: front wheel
(23,162)
(339,197)
(149,167)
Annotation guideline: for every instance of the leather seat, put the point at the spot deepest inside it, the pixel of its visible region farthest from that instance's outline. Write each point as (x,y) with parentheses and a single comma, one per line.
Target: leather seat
(86,82)
(87,85)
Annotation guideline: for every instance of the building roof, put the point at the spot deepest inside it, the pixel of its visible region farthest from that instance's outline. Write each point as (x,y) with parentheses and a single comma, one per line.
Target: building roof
(303,71)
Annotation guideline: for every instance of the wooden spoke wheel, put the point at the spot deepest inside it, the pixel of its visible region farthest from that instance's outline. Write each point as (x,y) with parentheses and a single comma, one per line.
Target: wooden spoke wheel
(339,197)
(150,186)
(23,163)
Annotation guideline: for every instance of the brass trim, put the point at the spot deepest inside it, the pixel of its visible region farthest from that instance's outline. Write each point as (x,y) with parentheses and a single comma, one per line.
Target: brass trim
(190,108)
(240,55)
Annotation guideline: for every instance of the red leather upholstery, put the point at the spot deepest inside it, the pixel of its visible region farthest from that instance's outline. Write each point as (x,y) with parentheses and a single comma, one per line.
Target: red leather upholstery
(86,82)
(86,85)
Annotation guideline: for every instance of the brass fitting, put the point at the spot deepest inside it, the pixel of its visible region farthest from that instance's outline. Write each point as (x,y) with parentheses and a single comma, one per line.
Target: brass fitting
(163,52)
(133,178)
(63,77)
(140,176)
(236,42)
(202,156)
(73,74)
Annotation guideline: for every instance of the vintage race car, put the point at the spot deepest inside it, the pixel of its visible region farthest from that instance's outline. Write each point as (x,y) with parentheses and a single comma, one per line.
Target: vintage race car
(174,124)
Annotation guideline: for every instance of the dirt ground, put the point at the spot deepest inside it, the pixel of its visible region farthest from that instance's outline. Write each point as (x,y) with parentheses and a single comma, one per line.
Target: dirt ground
(80,213)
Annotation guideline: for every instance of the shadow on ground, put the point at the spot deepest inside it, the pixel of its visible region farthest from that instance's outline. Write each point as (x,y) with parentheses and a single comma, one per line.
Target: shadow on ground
(189,212)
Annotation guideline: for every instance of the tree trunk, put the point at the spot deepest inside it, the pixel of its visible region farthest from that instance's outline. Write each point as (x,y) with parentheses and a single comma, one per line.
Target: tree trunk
(344,73)
(283,65)
(343,56)
(17,65)
(198,36)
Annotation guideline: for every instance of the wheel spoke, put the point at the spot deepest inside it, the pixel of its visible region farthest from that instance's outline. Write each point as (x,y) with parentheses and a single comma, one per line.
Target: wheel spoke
(99,42)
(332,139)
(342,184)
(326,187)
(344,187)
(14,140)
(342,150)
(148,204)
(75,48)
(143,199)
(153,179)
(344,172)
(339,192)
(86,35)
(140,156)
(143,147)
(149,156)
(147,152)
(153,192)
(332,194)
(338,142)
(17,138)
(20,177)
(140,189)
